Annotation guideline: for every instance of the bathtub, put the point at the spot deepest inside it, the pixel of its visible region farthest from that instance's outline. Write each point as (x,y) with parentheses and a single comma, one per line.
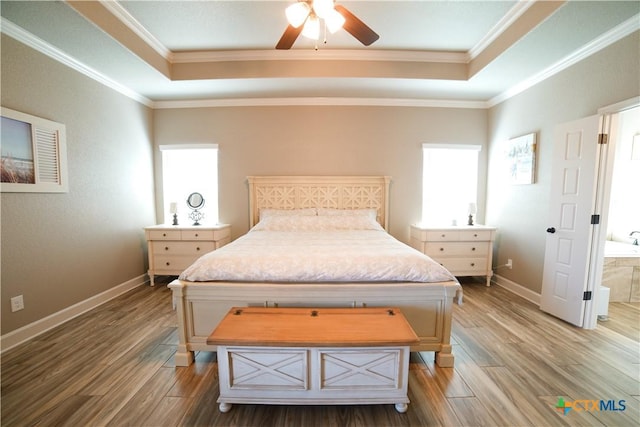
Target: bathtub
(621,271)
(620,250)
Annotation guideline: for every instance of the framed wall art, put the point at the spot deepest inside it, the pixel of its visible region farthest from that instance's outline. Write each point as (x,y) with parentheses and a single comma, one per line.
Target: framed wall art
(33,154)
(521,159)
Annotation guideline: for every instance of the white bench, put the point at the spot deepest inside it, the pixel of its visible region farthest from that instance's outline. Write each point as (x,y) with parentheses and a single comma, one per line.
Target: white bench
(334,356)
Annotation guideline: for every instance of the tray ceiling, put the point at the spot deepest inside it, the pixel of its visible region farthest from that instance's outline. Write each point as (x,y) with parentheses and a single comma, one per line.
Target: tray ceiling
(458,53)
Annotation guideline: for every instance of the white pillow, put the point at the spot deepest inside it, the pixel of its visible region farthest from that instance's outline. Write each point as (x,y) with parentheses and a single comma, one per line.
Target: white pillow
(371,213)
(317,223)
(266,213)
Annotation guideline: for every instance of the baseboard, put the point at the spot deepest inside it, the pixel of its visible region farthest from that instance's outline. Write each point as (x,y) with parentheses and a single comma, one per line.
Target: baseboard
(517,289)
(32,330)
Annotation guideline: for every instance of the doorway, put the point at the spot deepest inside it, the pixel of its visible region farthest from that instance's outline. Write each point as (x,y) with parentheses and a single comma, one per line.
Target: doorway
(620,295)
(574,257)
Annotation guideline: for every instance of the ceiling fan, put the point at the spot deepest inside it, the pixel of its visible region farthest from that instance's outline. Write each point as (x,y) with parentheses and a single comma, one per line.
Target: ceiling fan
(305,15)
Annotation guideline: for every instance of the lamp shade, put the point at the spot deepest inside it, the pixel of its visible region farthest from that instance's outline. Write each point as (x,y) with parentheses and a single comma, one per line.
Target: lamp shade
(297,13)
(323,8)
(334,21)
(311,28)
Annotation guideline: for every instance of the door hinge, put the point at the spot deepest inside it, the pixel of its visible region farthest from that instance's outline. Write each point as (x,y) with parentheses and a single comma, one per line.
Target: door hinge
(586,296)
(595,219)
(603,138)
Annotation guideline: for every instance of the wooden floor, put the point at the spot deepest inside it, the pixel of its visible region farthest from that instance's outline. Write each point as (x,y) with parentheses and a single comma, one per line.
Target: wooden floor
(114,366)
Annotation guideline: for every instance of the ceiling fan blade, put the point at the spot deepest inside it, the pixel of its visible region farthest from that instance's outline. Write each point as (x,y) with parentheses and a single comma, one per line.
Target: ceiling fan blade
(356,27)
(289,37)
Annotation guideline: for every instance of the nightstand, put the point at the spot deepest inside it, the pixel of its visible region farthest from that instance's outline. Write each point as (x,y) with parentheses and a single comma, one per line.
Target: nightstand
(174,248)
(463,250)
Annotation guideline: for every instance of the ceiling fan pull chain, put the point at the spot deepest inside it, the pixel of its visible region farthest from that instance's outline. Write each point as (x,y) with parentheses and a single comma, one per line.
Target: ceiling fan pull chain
(325,32)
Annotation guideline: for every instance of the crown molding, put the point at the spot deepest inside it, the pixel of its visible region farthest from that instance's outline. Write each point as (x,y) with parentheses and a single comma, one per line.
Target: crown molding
(501,26)
(315,101)
(12,30)
(617,33)
(320,55)
(134,25)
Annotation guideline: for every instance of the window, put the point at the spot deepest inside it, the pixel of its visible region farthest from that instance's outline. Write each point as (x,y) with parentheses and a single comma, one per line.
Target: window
(189,168)
(449,183)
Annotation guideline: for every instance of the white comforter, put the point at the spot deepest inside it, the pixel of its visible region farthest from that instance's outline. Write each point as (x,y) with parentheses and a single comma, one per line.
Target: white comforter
(316,256)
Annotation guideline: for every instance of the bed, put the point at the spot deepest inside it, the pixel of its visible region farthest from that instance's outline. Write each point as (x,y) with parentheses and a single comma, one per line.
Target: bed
(307,214)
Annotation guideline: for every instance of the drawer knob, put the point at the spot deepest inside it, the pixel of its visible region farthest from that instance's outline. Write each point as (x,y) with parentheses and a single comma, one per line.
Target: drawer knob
(444,235)
(473,249)
(164,234)
(198,248)
(168,263)
(441,249)
(166,248)
(475,235)
(473,264)
(196,234)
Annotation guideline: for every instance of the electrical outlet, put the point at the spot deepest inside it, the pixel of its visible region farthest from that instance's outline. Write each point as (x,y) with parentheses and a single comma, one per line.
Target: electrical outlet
(509,263)
(17,303)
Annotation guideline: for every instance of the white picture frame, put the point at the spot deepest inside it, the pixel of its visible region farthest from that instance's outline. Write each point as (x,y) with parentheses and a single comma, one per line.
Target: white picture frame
(33,154)
(521,159)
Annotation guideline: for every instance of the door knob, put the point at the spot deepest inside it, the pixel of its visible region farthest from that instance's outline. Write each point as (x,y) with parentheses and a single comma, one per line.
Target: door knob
(551,230)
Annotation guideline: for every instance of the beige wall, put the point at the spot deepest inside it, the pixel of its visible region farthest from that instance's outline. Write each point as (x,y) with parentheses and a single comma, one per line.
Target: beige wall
(321,141)
(60,249)
(520,212)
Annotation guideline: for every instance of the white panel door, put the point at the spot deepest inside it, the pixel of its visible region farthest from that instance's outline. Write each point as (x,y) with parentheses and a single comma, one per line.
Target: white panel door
(569,232)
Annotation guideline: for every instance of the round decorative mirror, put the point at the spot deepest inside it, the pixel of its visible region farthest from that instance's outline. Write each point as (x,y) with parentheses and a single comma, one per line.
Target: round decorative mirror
(195,201)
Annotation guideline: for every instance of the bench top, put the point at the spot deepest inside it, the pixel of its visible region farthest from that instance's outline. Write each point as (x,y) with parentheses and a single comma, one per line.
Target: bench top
(313,327)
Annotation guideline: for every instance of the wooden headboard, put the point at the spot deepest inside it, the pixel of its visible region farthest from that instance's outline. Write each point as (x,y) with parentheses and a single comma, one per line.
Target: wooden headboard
(338,192)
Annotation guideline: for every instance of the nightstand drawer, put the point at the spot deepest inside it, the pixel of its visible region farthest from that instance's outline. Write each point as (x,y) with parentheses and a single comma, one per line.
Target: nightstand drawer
(172,263)
(206,234)
(472,235)
(466,265)
(164,235)
(182,248)
(442,235)
(438,249)
(458,235)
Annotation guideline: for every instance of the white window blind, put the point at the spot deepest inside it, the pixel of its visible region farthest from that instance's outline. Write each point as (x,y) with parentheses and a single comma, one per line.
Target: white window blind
(186,169)
(449,183)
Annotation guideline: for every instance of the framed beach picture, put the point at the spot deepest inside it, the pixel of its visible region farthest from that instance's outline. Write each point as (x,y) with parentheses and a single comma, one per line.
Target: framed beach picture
(521,159)
(33,154)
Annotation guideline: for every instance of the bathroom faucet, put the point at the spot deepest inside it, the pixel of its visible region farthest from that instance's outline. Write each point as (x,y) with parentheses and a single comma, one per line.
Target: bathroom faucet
(635,241)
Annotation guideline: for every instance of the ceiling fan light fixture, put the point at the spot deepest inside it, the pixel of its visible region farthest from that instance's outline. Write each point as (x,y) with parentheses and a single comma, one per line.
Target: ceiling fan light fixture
(334,21)
(297,13)
(323,8)
(311,28)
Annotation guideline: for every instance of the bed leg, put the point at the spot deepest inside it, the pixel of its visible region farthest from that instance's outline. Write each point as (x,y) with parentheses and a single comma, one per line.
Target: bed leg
(444,358)
(183,357)
(459,295)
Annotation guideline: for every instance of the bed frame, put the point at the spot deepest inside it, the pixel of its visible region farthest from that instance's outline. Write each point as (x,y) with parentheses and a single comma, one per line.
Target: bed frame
(200,306)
